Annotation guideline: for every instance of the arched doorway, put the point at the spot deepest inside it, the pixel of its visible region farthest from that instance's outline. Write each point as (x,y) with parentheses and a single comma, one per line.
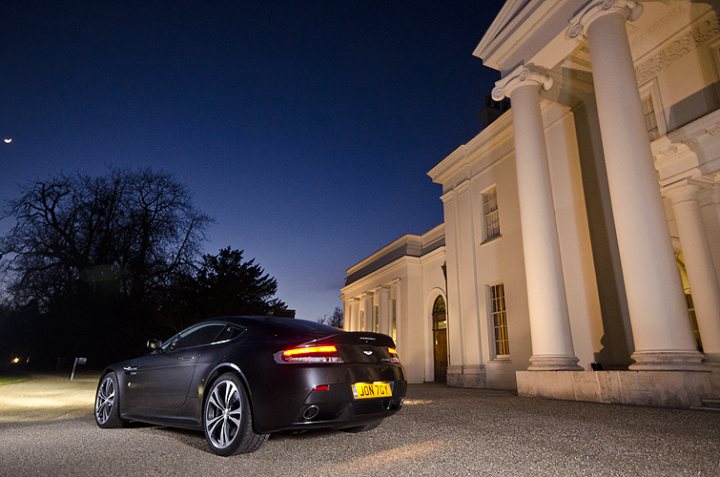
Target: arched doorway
(440,339)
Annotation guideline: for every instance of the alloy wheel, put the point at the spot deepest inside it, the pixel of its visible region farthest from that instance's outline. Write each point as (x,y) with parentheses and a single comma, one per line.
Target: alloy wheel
(223,413)
(105,400)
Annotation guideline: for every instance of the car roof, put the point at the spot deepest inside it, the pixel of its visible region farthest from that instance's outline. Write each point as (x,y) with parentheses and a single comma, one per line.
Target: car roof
(289,324)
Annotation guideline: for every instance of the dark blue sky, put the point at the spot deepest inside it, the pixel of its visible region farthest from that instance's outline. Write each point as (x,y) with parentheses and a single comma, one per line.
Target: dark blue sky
(304,128)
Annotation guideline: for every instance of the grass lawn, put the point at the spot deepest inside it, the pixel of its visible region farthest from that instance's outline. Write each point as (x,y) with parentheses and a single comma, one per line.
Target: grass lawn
(8,378)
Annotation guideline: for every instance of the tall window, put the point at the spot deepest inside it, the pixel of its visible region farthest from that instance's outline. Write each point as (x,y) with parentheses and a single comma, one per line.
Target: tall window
(376,319)
(651,124)
(499,317)
(490,214)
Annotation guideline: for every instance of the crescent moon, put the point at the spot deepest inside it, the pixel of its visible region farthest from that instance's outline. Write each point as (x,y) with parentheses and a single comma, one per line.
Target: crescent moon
(7,140)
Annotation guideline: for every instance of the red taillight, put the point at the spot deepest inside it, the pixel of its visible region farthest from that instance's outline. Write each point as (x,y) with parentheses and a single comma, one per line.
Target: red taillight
(309,354)
(393,355)
(309,350)
(321,388)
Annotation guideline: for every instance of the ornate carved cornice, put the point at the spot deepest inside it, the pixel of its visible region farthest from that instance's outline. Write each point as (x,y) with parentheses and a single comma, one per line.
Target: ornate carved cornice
(702,33)
(690,151)
(673,160)
(595,9)
(522,75)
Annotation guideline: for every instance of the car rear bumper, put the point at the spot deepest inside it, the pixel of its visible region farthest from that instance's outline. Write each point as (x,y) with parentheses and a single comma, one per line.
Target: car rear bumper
(335,407)
(334,410)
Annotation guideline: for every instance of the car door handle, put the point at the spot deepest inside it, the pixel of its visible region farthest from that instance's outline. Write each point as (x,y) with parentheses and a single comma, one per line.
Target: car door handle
(187,358)
(130,369)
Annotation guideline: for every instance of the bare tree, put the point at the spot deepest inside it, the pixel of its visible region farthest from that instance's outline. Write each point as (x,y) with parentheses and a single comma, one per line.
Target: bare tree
(130,229)
(93,256)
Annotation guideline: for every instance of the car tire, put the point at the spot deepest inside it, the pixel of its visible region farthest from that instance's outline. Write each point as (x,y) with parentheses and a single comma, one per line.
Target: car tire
(227,418)
(107,403)
(365,427)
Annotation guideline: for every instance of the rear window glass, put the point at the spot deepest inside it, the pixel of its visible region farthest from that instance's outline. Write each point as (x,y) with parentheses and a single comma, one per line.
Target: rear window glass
(286,327)
(303,326)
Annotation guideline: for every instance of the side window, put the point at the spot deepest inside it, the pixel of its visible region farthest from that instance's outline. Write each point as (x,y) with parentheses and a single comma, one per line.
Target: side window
(653,112)
(197,336)
(650,118)
(229,332)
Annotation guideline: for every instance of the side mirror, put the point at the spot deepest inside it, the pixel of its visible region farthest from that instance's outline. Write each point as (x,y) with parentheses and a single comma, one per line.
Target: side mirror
(154,344)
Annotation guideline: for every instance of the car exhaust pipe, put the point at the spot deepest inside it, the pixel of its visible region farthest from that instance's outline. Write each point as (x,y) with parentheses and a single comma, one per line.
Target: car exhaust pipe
(397,405)
(311,412)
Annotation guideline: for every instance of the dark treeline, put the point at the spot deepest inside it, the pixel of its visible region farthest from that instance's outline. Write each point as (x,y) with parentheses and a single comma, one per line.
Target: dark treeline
(96,265)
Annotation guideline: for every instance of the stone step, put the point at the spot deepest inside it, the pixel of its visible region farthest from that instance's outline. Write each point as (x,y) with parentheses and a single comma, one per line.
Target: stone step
(705,408)
(713,403)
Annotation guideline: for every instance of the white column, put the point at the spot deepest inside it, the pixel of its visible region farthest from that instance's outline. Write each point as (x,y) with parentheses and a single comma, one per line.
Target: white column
(658,316)
(549,323)
(699,264)
(368,299)
(353,323)
(346,312)
(355,314)
(395,309)
(384,315)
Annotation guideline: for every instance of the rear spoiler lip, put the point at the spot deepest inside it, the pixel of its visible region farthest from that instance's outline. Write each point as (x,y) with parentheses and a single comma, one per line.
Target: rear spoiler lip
(360,338)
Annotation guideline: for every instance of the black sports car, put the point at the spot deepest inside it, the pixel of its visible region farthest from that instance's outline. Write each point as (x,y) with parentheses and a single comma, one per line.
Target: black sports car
(240,378)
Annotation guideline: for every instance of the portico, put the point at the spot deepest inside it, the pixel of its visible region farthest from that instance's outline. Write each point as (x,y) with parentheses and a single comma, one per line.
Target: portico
(662,338)
(581,234)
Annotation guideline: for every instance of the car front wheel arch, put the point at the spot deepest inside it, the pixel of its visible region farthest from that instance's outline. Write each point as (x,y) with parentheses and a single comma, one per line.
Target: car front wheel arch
(107,402)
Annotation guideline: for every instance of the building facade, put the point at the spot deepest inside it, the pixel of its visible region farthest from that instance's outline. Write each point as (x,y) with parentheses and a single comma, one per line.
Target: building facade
(394,292)
(581,255)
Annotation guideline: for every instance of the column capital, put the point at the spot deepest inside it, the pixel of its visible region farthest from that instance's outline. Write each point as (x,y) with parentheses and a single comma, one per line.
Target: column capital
(520,76)
(682,191)
(687,189)
(381,289)
(448,196)
(595,9)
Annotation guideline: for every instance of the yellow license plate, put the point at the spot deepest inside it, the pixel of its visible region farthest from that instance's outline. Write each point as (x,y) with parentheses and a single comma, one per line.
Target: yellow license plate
(378,389)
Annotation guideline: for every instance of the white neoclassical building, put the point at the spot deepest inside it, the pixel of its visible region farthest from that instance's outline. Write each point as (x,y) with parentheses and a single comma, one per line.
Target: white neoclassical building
(579,256)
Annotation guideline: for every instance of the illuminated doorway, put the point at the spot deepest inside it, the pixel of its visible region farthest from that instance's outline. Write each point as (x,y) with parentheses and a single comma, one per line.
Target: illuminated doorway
(440,339)
(688,300)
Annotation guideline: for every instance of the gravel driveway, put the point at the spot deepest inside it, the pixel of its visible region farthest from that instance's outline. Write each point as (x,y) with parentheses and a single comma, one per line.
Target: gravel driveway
(440,432)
